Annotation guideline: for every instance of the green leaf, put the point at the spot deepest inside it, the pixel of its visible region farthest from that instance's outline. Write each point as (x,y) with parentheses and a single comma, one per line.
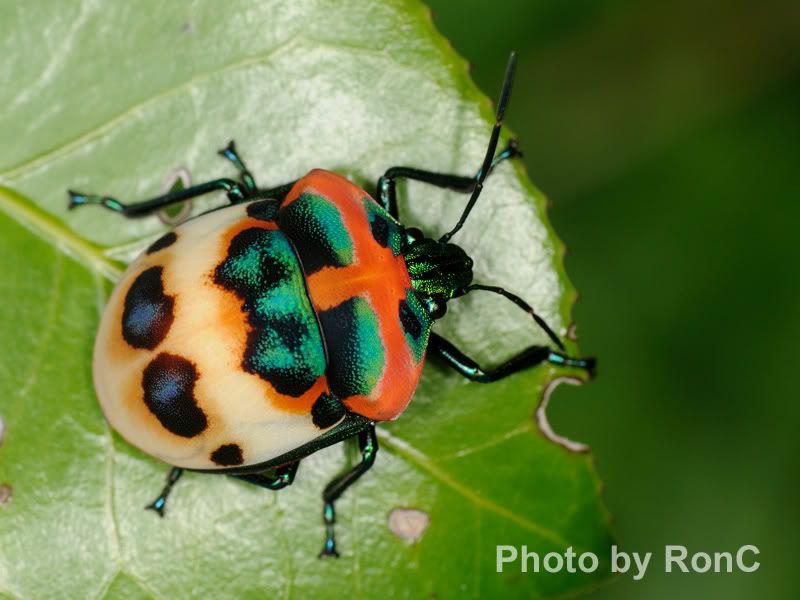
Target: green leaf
(114,98)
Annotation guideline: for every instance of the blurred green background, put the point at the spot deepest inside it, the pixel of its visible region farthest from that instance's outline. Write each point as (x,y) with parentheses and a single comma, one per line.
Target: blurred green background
(667,136)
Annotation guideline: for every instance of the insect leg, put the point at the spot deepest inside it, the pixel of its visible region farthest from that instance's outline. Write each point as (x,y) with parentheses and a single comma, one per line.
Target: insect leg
(530,357)
(283,477)
(245,176)
(387,192)
(368,442)
(253,192)
(158,504)
(234,190)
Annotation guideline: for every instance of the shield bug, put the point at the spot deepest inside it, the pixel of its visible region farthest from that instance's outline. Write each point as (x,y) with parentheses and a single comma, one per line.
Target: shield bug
(293,318)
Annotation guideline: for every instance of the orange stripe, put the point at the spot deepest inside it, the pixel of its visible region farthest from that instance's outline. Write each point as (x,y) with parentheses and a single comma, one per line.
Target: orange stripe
(375,274)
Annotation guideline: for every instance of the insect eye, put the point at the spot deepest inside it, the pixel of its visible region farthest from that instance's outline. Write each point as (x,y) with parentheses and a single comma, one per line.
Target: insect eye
(437,310)
(414,234)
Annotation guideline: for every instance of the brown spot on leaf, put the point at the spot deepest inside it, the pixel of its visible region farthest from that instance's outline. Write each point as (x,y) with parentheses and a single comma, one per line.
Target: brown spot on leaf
(5,494)
(408,524)
(572,332)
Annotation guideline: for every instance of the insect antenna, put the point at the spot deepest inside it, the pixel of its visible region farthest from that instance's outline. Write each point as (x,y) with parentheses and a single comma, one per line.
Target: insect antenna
(522,304)
(505,94)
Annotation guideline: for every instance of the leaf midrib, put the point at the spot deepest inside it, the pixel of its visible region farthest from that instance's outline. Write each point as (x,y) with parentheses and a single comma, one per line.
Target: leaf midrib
(46,227)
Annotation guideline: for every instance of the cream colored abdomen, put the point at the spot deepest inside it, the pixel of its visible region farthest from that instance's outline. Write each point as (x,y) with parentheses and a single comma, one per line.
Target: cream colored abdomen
(208,332)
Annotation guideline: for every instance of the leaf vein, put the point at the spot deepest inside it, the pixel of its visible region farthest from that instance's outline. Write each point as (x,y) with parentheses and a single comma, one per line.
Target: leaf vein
(525,427)
(405,450)
(31,165)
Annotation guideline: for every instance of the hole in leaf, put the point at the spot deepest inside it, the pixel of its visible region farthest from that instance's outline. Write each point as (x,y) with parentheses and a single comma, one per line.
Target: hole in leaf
(2,430)
(5,494)
(177,213)
(544,424)
(572,332)
(408,524)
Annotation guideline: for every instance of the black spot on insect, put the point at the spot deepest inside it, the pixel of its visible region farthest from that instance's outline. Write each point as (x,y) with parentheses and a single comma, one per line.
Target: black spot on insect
(385,230)
(265,210)
(168,383)
(415,321)
(165,241)
(409,320)
(380,231)
(228,455)
(148,312)
(327,410)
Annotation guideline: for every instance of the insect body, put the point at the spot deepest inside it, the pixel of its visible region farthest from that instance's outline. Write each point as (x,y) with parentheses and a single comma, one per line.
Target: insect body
(299,316)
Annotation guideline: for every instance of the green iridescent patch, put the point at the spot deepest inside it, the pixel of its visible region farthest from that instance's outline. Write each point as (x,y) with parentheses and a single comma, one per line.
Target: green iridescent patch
(357,355)
(284,345)
(315,226)
(416,324)
(385,230)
